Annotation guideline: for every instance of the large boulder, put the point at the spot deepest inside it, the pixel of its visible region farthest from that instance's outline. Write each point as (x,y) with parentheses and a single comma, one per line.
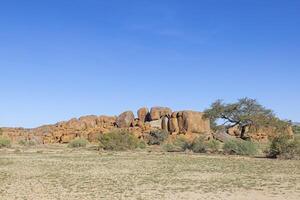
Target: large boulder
(143,114)
(165,123)
(158,112)
(193,122)
(125,120)
(173,124)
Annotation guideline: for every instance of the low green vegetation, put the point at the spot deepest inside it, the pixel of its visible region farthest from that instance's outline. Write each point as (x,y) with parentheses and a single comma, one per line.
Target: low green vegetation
(26,143)
(199,145)
(180,144)
(240,147)
(157,137)
(142,144)
(78,143)
(120,141)
(285,148)
(296,129)
(213,146)
(4,142)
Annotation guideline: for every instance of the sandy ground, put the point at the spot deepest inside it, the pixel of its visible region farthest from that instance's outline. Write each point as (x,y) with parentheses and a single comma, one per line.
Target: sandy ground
(62,173)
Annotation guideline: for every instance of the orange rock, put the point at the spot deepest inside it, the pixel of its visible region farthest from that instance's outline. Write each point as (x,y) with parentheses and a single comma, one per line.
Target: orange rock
(193,122)
(158,112)
(143,114)
(125,120)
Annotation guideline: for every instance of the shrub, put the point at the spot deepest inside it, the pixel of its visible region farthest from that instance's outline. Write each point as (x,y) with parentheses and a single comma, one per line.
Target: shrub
(296,129)
(119,141)
(77,143)
(284,147)
(213,145)
(22,142)
(4,142)
(142,144)
(198,145)
(240,147)
(157,137)
(180,144)
(31,143)
(26,143)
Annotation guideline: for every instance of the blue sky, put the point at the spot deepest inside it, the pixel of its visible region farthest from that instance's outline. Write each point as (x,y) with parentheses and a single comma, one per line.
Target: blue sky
(63,59)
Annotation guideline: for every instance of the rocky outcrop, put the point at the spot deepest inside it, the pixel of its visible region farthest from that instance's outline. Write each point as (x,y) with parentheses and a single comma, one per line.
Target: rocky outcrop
(157,113)
(165,123)
(143,114)
(191,121)
(17,134)
(92,126)
(188,123)
(260,134)
(125,120)
(156,124)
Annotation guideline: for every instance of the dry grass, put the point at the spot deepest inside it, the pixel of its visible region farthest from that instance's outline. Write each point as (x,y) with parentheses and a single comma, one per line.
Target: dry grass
(57,172)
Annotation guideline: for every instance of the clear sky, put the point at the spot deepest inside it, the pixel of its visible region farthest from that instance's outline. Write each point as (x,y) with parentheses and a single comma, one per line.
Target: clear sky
(66,58)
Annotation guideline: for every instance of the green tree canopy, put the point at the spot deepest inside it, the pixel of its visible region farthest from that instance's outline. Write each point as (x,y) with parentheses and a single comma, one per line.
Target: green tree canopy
(244,113)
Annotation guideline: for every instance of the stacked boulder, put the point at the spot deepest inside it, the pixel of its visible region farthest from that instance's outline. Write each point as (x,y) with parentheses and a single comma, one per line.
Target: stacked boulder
(182,122)
(91,126)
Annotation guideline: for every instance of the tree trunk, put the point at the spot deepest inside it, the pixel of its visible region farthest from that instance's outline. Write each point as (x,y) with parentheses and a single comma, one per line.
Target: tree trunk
(223,136)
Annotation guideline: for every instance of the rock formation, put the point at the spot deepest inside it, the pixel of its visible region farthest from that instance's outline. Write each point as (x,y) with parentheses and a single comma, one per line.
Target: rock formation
(189,123)
(125,120)
(143,115)
(260,134)
(157,113)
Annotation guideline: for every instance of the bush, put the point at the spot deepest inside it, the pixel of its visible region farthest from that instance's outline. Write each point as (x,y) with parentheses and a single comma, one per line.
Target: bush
(119,141)
(142,144)
(240,147)
(157,137)
(296,129)
(180,144)
(198,145)
(26,143)
(284,147)
(77,143)
(5,142)
(213,145)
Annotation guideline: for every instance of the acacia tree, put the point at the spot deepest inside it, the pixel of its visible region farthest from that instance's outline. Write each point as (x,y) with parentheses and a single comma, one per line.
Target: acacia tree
(244,113)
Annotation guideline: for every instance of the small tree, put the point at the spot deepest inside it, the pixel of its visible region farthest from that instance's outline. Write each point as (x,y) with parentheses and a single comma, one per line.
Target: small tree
(244,113)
